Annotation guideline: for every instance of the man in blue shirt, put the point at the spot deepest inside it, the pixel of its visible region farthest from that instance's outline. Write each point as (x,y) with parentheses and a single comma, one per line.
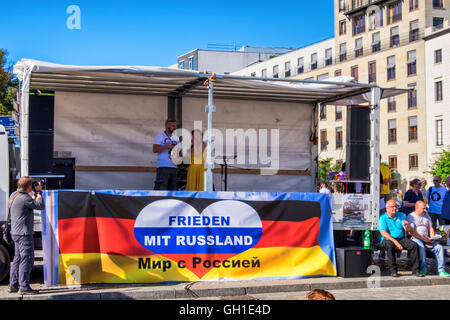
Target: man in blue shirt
(435,196)
(166,172)
(392,227)
(445,216)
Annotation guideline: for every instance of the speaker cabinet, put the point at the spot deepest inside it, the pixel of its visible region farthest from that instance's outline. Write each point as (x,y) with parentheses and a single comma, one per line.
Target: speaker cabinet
(40,153)
(353,262)
(358,143)
(65,167)
(41,126)
(42,113)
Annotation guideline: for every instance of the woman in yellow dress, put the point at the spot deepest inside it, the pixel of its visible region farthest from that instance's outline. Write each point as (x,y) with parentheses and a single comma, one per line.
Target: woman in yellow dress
(196,171)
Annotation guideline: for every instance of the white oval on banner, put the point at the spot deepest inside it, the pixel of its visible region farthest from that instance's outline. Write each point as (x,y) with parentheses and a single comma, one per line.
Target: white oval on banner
(174,226)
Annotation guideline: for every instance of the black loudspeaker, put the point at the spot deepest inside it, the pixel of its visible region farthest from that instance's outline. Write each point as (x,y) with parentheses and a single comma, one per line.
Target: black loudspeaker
(66,167)
(42,113)
(353,262)
(358,143)
(41,126)
(40,153)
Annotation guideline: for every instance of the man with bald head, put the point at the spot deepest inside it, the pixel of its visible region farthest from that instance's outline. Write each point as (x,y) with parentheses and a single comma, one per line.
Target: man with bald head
(421,229)
(392,226)
(445,216)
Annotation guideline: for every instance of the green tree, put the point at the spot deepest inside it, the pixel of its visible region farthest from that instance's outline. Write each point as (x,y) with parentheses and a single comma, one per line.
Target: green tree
(441,167)
(325,165)
(8,85)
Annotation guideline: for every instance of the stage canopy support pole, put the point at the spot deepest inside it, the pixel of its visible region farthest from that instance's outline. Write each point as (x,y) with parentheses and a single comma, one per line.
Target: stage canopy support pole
(209,164)
(375,155)
(24,122)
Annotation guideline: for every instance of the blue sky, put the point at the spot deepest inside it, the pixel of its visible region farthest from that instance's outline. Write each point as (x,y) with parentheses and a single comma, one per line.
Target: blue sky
(154,33)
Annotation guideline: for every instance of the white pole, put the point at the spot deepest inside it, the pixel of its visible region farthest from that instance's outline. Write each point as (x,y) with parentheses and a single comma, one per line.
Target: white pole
(375,155)
(24,123)
(209,164)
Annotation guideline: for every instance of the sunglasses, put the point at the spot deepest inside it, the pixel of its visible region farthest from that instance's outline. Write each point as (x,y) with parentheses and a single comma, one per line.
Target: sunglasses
(436,180)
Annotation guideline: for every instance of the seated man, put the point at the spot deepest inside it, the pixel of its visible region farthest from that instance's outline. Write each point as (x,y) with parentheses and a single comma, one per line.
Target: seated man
(422,230)
(391,226)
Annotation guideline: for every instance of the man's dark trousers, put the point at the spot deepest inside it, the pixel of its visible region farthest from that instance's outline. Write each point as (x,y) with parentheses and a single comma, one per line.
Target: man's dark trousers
(407,244)
(23,261)
(166,179)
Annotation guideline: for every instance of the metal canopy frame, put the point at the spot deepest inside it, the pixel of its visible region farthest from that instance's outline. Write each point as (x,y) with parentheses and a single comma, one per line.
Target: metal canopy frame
(179,83)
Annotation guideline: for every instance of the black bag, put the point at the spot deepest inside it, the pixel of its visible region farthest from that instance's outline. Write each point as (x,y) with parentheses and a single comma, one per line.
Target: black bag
(6,227)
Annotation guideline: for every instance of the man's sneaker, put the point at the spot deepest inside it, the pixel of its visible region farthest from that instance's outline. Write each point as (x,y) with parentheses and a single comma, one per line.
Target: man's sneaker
(395,274)
(418,274)
(28,291)
(13,289)
(424,272)
(443,274)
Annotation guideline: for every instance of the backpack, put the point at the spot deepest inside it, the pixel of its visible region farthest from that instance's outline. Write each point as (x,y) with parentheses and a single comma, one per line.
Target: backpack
(6,227)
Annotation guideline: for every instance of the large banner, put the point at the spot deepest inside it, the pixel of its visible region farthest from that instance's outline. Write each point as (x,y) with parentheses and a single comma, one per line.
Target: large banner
(157,236)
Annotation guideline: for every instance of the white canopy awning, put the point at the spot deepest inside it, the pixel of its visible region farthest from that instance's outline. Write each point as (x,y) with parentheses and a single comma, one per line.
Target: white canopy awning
(173,82)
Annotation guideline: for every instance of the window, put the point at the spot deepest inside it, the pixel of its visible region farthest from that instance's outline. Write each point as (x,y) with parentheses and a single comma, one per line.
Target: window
(323,77)
(323,140)
(438,56)
(339,141)
(414,31)
(376,42)
(181,65)
(323,112)
(393,162)
(438,91)
(412,128)
(391,68)
(395,38)
(191,63)
(275,71)
(314,61)
(264,73)
(338,73)
(354,73)
(359,24)
(412,97)
(392,131)
(438,4)
(338,113)
(438,23)
(253,74)
(392,104)
(342,52)
(376,18)
(300,68)
(412,67)
(358,47)
(439,133)
(287,69)
(413,161)
(342,27)
(328,57)
(395,12)
(413,4)
(341,5)
(372,72)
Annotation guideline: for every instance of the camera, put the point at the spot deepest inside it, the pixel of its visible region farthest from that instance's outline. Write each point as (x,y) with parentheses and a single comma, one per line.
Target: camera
(35,184)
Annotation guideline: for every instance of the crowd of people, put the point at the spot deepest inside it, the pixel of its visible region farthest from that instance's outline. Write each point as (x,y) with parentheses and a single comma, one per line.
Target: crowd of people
(410,223)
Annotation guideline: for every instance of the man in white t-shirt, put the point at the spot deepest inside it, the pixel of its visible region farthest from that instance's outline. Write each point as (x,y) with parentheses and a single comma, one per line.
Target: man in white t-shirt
(166,172)
(324,189)
(421,229)
(435,197)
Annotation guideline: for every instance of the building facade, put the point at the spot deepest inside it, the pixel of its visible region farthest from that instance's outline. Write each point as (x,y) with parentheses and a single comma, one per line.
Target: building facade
(382,42)
(226,61)
(437,52)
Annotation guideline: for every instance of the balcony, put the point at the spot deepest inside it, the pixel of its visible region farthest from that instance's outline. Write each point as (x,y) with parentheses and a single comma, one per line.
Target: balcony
(353,7)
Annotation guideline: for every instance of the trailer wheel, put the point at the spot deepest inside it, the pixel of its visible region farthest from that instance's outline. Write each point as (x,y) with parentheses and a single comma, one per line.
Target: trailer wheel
(4,262)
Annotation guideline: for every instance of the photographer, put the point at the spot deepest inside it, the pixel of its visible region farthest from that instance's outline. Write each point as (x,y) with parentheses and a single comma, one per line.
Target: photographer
(22,205)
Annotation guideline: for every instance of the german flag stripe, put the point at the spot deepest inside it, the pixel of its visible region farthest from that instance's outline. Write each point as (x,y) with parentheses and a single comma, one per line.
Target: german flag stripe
(116,236)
